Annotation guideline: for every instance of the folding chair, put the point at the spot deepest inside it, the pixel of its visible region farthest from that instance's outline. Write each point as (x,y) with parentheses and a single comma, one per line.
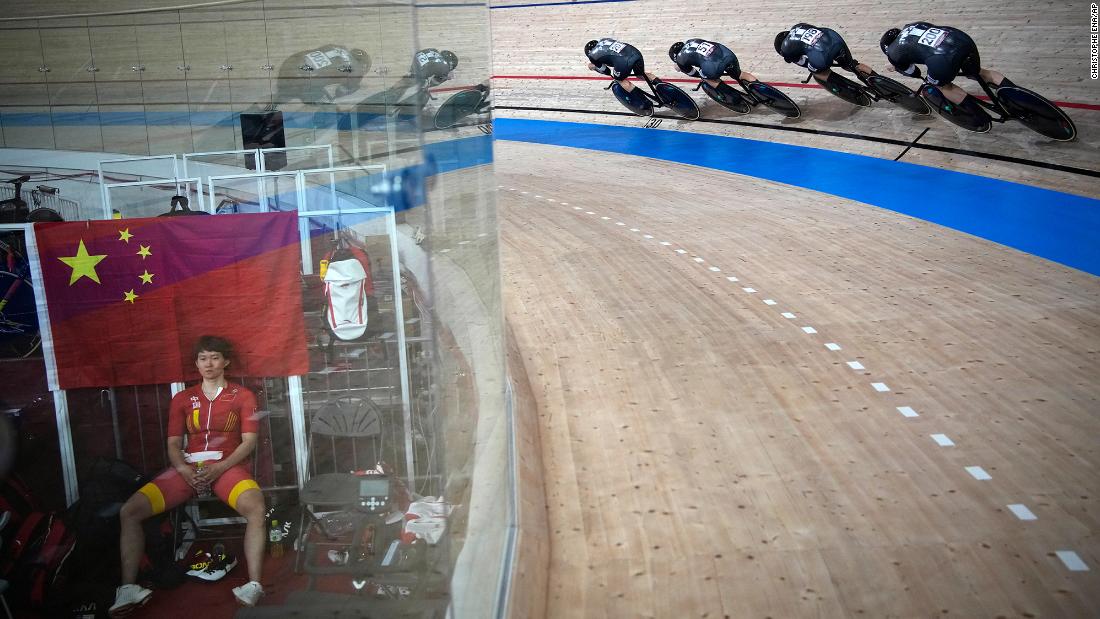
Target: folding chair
(336,506)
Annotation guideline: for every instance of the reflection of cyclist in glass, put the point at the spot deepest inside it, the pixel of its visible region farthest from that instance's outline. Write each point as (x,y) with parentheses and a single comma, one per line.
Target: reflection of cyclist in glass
(619,61)
(817,49)
(430,67)
(321,75)
(945,52)
(708,61)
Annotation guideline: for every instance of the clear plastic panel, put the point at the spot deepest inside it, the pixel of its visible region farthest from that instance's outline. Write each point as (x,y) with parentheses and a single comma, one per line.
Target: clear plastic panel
(152,198)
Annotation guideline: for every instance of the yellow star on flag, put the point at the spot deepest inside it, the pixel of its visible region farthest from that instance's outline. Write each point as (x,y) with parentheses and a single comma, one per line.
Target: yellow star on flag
(129,296)
(82,264)
(124,235)
(147,277)
(144,252)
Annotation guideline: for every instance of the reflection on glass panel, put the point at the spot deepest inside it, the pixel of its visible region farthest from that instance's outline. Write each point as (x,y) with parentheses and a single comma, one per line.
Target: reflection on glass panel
(366,125)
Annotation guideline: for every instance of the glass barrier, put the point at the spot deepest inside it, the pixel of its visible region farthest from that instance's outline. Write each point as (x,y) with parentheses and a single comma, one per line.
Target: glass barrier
(349,265)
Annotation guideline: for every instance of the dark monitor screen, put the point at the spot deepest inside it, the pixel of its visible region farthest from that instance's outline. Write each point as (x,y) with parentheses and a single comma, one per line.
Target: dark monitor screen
(374,487)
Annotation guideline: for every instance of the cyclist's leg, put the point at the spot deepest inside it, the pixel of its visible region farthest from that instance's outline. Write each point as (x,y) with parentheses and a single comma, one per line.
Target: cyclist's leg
(942,70)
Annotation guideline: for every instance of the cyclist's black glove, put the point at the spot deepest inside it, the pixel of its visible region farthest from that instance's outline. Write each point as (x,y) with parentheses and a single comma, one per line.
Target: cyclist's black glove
(601,68)
(913,71)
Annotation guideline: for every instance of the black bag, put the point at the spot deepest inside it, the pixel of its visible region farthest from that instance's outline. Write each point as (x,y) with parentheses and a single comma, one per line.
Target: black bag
(184,209)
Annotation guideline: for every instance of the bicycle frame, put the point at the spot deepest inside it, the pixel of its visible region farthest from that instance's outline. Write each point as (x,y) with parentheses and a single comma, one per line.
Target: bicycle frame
(745,91)
(652,96)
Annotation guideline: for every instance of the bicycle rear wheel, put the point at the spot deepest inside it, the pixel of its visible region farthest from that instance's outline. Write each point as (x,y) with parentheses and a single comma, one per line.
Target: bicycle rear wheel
(727,97)
(1037,113)
(634,100)
(899,94)
(975,120)
(775,99)
(458,106)
(678,101)
(845,89)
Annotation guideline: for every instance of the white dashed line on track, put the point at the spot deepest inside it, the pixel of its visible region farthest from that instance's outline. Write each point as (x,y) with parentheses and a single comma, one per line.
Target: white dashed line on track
(769,302)
(978,473)
(1072,562)
(732,279)
(942,440)
(1022,512)
(788,315)
(698,259)
(880,387)
(749,290)
(856,365)
(715,269)
(833,347)
(809,330)
(907,411)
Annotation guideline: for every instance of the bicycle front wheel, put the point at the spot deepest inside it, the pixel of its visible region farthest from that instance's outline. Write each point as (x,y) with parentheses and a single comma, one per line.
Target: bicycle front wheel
(1037,113)
(899,94)
(678,101)
(458,106)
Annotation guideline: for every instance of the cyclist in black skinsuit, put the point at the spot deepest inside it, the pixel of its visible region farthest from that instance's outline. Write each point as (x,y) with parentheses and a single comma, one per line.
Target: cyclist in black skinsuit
(707,60)
(321,75)
(945,52)
(619,61)
(433,67)
(817,49)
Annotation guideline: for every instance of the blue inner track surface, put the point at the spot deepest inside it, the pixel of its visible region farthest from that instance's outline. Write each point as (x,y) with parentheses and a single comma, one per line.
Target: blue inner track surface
(1061,227)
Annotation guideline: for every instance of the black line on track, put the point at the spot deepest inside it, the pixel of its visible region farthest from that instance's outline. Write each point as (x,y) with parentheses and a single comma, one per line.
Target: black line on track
(911,144)
(835,134)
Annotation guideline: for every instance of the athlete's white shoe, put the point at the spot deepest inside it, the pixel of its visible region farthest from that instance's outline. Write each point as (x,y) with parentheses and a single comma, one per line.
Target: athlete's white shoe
(249,593)
(127,598)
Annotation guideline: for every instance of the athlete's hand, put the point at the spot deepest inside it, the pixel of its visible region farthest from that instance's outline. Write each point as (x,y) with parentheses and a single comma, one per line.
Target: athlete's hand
(210,473)
(189,475)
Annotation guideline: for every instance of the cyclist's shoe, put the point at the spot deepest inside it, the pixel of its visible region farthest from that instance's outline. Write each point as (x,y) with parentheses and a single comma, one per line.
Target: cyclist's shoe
(971,105)
(127,598)
(210,568)
(249,593)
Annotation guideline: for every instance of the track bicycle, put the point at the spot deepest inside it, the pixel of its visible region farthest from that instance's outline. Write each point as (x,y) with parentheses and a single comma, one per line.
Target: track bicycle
(1033,110)
(754,94)
(19,333)
(664,95)
(875,87)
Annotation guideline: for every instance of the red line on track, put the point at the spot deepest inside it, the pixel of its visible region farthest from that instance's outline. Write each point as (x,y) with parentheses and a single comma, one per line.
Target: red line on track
(1069,104)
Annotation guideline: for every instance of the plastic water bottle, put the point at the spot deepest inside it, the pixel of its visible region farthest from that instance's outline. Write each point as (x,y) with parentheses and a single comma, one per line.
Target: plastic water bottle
(275,537)
(204,489)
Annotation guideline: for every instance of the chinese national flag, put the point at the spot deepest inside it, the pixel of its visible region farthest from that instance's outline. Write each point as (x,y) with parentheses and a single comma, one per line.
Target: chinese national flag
(128,298)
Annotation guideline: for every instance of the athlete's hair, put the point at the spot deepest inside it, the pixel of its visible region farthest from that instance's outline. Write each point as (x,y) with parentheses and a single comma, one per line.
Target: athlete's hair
(213,343)
(888,37)
(675,49)
(779,38)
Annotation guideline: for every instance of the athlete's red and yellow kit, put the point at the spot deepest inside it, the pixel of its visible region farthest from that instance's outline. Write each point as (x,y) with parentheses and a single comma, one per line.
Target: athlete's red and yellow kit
(214,427)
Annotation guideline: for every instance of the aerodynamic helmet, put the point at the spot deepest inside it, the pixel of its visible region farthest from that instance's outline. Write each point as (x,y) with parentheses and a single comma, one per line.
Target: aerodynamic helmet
(887,38)
(779,38)
(675,50)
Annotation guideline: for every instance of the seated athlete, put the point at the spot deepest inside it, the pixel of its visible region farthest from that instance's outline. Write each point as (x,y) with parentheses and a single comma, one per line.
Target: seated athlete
(817,49)
(708,61)
(619,61)
(218,418)
(945,52)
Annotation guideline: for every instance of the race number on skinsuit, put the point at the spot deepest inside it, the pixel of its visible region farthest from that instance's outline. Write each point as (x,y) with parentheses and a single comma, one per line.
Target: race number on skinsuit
(617,47)
(704,49)
(809,36)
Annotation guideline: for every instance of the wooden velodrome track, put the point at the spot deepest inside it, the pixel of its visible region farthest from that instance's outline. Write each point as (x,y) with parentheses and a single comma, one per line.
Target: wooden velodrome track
(754,400)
